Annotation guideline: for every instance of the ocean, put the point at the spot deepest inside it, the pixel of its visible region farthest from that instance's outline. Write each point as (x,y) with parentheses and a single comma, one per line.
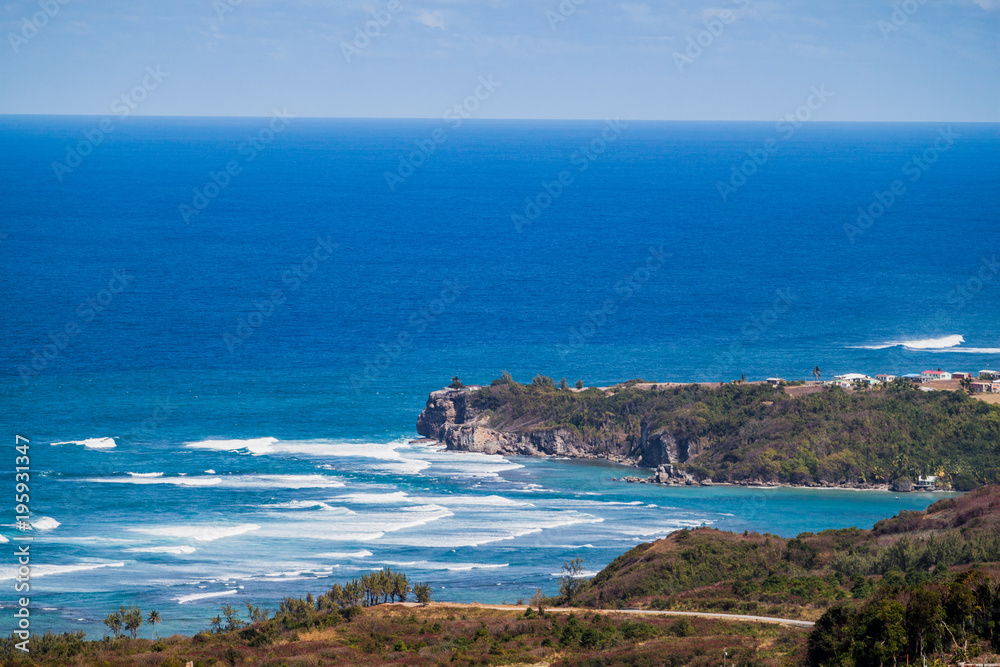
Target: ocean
(253,310)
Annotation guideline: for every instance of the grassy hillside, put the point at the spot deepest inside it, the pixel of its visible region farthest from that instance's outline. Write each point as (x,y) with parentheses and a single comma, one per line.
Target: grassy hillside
(927,581)
(436,635)
(741,432)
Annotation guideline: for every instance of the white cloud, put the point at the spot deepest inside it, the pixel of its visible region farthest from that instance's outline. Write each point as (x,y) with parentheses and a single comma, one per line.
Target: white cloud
(431,19)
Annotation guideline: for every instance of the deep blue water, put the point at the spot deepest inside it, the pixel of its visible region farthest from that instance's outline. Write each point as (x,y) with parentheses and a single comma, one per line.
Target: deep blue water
(310,303)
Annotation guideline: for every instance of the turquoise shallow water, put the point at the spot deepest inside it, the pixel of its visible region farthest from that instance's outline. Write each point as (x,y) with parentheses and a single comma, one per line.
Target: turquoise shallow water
(303,316)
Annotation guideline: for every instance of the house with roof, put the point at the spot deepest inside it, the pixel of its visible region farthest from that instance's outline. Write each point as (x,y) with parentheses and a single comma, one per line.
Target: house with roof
(961,376)
(936,375)
(885,378)
(913,377)
(989,375)
(985,387)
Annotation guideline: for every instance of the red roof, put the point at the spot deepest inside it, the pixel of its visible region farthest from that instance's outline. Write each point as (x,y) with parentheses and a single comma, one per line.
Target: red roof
(933,373)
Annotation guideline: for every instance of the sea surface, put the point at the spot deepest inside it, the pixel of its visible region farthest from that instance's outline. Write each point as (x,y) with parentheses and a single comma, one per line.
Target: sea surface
(252,312)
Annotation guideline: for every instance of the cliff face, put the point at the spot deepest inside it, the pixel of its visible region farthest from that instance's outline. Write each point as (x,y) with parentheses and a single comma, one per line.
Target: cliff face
(449,418)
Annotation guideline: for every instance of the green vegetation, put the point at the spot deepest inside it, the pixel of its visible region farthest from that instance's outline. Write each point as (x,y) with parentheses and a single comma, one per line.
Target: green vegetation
(906,623)
(436,635)
(756,432)
(921,584)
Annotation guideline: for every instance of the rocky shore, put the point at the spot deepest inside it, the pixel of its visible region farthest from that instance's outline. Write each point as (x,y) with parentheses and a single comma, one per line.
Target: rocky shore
(449,417)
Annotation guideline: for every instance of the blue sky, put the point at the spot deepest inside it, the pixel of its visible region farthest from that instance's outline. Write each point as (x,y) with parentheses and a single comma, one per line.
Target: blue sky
(932,60)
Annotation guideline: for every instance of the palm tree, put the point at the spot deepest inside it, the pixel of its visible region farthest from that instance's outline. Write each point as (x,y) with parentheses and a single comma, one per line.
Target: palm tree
(152,619)
(114,623)
(817,373)
(131,619)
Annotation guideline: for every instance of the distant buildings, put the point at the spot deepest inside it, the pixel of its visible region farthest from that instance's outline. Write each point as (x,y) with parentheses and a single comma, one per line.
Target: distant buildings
(885,378)
(936,375)
(985,386)
(989,375)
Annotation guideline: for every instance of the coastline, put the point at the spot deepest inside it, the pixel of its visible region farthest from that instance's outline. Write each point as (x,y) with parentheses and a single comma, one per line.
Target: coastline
(630,424)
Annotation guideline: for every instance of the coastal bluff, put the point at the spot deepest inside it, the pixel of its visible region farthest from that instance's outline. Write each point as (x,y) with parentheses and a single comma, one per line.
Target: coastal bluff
(753,434)
(452,418)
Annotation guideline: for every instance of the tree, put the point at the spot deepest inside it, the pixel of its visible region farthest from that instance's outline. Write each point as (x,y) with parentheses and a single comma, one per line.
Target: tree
(152,619)
(830,641)
(563,385)
(579,384)
(880,636)
(924,615)
(572,579)
(966,384)
(455,383)
(543,382)
(131,618)
(257,614)
(817,373)
(233,621)
(115,623)
(423,592)
(538,600)
(216,623)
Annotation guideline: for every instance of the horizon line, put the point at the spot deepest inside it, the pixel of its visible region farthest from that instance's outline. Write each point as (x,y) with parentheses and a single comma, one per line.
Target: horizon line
(519,119)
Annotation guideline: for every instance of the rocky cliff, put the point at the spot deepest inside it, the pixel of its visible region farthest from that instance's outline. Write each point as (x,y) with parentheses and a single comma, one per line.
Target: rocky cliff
(450,418)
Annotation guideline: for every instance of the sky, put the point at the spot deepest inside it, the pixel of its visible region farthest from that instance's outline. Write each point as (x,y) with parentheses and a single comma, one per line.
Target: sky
(872,60)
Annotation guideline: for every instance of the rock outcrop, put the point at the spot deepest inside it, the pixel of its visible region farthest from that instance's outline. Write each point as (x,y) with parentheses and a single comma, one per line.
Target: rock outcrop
(450,418)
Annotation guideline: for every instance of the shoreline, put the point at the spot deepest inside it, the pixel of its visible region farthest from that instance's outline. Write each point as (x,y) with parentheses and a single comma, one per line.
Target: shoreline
(886,488)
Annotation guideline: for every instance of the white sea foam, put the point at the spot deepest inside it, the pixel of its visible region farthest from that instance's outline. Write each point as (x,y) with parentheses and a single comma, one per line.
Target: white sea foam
(178,481)
(146,474)
(931,344)
(181,550)
(201,533)
(308,504)
(204,596)
(400,497)
(3,539)
(386,454)
(233,481)
(373,498)
(45,523)
(361,553)
(968,350)
(91,443)
(452,567)
(585,574)
(55,570)
(254,446)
